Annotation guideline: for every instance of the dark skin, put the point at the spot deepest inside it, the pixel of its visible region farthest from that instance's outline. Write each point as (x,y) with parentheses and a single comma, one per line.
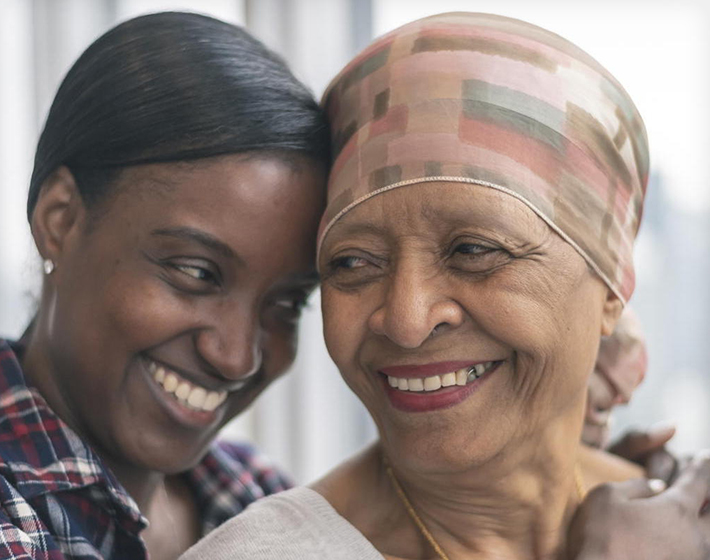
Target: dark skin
(63,228)
(633,520)
(385,294)
(435,273)
(201,268)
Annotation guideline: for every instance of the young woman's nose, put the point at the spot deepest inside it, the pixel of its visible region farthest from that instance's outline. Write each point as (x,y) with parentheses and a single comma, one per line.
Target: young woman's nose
(232,344)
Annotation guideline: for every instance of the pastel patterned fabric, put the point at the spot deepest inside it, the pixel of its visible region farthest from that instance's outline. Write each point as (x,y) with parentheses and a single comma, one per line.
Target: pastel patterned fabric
(623,358)
(489,101)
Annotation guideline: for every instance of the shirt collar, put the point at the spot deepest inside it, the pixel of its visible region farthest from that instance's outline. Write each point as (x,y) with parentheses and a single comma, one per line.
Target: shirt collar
(42,454)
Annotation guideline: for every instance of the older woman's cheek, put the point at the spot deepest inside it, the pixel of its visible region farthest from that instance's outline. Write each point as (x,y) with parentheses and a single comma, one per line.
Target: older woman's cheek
(344,328)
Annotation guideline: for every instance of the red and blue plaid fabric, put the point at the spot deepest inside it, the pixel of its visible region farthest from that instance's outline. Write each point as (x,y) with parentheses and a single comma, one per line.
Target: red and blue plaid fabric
(58,501)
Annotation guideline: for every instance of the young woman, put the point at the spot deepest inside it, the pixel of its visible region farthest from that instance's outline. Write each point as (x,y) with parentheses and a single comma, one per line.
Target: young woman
(175,198)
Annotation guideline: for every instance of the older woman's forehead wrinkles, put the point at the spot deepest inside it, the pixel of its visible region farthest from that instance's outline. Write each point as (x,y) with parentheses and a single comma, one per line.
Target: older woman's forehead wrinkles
(486,212)
(352,229)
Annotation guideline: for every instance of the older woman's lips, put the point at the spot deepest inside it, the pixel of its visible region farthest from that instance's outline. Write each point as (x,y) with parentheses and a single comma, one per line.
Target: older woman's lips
(434,386)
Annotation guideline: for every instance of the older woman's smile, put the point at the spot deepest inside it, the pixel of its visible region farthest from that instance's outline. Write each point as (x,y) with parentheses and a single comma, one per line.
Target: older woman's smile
(421,388)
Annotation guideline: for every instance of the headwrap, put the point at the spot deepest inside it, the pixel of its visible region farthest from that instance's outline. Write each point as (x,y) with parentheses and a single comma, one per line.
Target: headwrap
(622,357)
(486,100)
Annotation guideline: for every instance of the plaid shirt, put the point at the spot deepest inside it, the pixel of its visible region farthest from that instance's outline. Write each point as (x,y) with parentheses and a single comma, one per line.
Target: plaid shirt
(58,501)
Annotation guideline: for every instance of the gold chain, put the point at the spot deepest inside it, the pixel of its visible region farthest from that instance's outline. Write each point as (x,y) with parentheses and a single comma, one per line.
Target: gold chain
(578,481)
(415,517)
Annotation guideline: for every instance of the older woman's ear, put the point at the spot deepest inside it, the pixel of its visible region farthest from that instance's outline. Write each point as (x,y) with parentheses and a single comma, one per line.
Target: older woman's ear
(58,212)
(611,313)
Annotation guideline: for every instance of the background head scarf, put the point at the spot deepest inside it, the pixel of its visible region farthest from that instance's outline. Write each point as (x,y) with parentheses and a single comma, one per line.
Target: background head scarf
(622,357)
(487,100)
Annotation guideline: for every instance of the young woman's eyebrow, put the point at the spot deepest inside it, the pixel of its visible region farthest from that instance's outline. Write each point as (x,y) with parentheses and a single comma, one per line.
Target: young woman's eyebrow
(198,236)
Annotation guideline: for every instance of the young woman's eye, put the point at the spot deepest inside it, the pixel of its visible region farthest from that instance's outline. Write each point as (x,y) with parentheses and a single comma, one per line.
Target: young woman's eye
(196,272)
(295,304)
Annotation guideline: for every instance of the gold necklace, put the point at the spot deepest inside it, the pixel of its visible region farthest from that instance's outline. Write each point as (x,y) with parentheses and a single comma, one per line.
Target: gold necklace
(415,516)
(578,482)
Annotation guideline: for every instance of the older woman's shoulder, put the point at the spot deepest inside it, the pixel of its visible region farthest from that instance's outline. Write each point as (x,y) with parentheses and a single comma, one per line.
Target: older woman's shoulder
(599,467)
(292,525)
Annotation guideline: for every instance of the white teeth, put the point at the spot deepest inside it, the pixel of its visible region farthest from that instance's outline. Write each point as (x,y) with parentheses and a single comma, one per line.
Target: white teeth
(212,401)
(171,383)
(416,384)
(460,377)
(185,392)
(196,398)
(432,383)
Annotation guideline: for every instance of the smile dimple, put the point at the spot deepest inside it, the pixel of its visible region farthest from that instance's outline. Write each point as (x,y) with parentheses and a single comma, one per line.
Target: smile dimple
(186,393)
(460,377)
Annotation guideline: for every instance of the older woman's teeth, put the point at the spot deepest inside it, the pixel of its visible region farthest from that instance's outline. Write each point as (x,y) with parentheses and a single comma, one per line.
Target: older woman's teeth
(448,379)
(192,396)
(460,377)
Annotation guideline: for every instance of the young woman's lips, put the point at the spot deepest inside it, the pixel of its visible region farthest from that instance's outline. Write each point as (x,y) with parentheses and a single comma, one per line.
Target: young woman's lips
(435,386)
(184,402)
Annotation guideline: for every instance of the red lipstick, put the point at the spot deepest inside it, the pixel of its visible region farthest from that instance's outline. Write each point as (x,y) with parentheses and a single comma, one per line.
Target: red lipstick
(427,401)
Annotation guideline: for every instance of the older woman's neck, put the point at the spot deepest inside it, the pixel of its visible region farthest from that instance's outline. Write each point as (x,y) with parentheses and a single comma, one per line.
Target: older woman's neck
(512,508)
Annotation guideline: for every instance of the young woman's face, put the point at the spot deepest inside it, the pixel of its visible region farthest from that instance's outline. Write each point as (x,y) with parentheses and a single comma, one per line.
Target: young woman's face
(180,302)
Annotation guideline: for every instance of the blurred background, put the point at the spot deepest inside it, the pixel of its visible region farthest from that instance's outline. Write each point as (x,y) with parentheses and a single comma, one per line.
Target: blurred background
(309,421)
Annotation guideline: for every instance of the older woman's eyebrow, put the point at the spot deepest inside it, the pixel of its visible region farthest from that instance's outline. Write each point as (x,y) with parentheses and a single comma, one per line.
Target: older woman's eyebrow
(198,236)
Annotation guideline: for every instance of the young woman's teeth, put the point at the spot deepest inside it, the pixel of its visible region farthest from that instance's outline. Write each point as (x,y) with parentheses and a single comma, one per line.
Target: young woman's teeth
(460,377)
(187,394)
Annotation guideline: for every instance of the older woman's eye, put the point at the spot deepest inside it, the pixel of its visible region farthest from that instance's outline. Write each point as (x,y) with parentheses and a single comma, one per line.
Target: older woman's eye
(347,263)
(473,249)
(477,257)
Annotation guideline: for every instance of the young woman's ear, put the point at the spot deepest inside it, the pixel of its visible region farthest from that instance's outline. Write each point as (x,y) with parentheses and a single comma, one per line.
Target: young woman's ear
(611,313)
(58,213)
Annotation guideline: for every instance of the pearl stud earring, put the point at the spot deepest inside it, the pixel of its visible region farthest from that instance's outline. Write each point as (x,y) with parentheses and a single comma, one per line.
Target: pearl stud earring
(48,266)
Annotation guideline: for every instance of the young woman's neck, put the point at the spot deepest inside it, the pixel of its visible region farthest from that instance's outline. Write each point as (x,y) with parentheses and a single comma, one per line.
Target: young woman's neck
(141,484)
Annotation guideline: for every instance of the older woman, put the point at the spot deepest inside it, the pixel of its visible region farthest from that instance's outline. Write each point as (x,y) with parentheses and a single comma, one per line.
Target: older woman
(477,243)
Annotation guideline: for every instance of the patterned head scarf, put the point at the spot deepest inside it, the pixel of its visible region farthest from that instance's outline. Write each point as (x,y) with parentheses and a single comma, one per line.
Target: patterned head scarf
(623,358)
(487,100)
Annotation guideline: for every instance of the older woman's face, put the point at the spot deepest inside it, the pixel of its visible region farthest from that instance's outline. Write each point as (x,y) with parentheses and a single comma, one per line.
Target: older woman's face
(425,283)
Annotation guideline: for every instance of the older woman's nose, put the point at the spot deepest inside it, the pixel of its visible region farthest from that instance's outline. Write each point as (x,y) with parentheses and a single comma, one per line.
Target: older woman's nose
(232,343)
(414,308)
